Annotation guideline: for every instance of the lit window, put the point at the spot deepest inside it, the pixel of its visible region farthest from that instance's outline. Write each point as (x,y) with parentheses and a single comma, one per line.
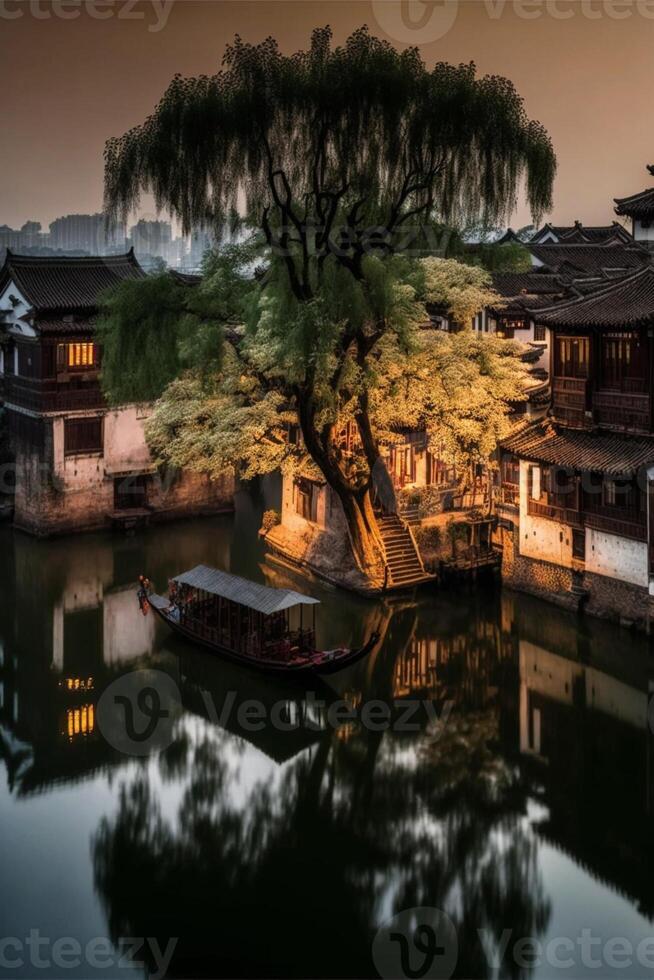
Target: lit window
(77,356)
(80,721)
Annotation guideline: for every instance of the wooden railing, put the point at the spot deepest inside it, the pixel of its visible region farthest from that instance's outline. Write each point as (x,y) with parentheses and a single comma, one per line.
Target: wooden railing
(623,521)
(566,515)
(627,410)
(569,399)
(48,396)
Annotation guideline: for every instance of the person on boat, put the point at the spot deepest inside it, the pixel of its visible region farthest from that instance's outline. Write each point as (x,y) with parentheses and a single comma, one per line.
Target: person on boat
(143,593)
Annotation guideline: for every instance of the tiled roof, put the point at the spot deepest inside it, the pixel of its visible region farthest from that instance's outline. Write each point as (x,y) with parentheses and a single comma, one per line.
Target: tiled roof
(629,301)
(598,452)
(590,259)
(579,233)
(514,283)
(638,205)
(65,283)
(185,278)
(65,325)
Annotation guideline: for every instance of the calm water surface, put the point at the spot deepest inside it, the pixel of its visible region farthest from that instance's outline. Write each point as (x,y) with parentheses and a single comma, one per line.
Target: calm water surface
(527,813)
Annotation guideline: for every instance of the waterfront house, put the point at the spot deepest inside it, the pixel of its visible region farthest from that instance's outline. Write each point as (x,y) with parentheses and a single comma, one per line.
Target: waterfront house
(577,486)
(79,464)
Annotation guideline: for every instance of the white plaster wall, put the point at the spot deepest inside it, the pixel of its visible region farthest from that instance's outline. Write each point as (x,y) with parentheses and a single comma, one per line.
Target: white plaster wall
(18,310)
(621,558)
(643,234)
(77,472)
(541,538)
(125,447)
(421,470)
(291,519)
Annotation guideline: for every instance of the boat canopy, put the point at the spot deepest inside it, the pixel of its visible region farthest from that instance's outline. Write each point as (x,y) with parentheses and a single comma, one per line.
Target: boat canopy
(240,590)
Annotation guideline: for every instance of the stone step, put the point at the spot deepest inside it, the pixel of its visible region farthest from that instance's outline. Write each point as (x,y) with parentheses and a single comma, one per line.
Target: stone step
(411,580)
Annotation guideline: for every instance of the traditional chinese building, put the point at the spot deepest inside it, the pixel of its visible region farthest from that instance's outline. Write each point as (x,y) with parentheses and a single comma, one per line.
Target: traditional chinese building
(640,208)
(79,464)
(578,234)
(577,486)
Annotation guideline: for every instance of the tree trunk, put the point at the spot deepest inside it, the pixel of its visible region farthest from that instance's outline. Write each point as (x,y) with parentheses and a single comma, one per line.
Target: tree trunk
(363,530)
(364,534)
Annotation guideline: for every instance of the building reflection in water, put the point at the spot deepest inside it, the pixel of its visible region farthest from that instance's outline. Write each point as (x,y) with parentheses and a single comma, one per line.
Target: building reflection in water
(320,832)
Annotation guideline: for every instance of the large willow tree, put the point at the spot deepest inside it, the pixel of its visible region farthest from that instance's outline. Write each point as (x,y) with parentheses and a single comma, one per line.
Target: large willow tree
(337,155)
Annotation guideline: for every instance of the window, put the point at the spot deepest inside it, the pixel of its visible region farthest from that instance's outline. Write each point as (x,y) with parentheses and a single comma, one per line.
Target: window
(78,356)
(623,362)
(572,357)
(306,499)
(83,436)
(540,332)
(534,482)
(645,224)
(510,470)
(621,493)
(27,360)
(579,544)
(131,492)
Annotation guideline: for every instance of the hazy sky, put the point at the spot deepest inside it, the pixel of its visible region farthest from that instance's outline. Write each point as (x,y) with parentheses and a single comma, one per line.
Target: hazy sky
(74,72)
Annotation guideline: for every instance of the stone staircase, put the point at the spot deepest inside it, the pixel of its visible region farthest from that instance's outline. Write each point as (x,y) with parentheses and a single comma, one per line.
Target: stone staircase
(402,559)
(411,514)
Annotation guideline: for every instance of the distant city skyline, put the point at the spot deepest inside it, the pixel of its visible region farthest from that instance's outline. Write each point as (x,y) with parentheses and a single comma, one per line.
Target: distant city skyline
(563,61)
(87,233)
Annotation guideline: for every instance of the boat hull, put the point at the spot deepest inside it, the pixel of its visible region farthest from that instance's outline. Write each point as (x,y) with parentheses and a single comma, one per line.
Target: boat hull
(327,662)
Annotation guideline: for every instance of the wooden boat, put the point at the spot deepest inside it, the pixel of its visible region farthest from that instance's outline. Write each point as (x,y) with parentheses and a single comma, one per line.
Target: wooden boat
(248,623)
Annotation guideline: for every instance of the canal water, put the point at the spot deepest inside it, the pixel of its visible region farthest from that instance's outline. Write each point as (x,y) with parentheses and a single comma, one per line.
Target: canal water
(491,759)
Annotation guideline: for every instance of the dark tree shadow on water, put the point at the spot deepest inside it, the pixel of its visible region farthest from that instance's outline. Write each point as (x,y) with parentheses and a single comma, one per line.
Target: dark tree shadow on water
(291,874)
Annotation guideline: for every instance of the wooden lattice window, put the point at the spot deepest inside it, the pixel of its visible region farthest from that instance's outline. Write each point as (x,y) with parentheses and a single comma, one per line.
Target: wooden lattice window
(83,436)
(77,356)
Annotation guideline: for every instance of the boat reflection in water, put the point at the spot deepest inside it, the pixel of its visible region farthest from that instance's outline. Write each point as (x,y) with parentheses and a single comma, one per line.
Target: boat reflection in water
(272,837)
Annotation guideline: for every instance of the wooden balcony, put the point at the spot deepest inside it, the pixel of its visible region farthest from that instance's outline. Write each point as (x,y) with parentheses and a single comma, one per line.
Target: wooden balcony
(49,396)
(620,521)
(625,410)
(569,400)
(626,522)
(565,515)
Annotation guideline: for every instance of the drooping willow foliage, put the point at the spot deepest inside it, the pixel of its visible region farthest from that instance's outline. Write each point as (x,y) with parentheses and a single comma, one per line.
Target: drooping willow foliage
(342,158)
(339,140)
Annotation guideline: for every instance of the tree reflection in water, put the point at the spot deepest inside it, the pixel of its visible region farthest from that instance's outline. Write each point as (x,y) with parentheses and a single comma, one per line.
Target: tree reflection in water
(290,872)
